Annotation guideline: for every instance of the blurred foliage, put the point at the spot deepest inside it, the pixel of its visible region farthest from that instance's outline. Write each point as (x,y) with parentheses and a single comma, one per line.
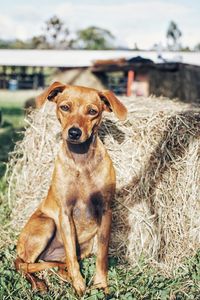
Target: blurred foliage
(12,122)
(94,38)
(173,36)
(15,44)
(56,35)
(197,47)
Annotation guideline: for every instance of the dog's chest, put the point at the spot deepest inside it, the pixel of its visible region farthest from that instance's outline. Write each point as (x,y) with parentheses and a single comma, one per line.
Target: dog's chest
(86,192)
(87,214)
(89,209)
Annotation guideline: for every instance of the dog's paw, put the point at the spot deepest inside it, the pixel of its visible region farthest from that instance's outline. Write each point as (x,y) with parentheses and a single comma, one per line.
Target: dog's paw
(38,285)
(79,285)
(41,287)
(100,282)
(64,275)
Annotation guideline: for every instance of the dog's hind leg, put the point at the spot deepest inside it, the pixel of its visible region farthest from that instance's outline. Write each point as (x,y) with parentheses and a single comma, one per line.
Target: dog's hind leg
(34,238)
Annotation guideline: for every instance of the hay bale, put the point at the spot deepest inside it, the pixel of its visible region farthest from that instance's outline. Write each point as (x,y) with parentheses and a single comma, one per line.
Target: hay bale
(80,76)
(156,156)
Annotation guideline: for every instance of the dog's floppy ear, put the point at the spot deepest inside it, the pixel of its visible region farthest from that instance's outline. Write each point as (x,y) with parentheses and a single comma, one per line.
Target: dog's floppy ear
(111,103)
(50,93)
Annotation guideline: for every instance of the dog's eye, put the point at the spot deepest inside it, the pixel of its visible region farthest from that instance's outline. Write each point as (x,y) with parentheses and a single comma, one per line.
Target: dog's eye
(92,112)
(64,107)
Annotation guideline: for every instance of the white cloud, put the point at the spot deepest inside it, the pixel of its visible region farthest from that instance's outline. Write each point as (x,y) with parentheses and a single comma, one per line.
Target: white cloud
(6,27)
(12,28)
(141,22)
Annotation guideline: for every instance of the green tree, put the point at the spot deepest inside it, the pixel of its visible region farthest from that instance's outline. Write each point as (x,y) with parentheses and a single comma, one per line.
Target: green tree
(173,36)
(4,44)
(55,35)
(197,47)
(15,44)
(19,44)
(39,42)
(94,38)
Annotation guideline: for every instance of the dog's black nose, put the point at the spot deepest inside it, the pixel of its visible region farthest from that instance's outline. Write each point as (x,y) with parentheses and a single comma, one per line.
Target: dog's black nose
(74,133)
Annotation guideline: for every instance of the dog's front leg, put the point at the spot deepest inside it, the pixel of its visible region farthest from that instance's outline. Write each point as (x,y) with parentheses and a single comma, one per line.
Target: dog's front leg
(100,279)
(68,235)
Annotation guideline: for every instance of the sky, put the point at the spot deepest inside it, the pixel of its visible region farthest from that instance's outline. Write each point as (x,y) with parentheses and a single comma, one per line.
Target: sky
(143,22)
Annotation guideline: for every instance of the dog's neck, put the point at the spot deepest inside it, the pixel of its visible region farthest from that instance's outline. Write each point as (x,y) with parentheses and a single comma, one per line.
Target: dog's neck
(84,152)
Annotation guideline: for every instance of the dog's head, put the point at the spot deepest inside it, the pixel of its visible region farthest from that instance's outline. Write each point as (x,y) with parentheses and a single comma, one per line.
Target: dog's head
(79,109)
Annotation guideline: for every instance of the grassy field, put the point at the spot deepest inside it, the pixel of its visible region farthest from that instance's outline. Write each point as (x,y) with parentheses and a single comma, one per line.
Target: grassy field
(12,107)
(140,282)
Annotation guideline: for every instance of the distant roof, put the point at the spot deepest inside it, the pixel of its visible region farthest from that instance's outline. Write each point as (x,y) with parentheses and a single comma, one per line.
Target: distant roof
(85,58)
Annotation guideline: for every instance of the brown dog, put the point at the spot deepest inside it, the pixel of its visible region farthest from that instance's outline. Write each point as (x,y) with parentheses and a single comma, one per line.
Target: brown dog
(77,206)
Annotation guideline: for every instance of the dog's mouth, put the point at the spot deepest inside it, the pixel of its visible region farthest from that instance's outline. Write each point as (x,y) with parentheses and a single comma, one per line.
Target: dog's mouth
(77,142)
(73,142)
(80,147)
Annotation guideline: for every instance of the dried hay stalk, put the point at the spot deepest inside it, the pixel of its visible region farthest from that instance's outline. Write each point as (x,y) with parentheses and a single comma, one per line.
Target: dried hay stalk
(156,154)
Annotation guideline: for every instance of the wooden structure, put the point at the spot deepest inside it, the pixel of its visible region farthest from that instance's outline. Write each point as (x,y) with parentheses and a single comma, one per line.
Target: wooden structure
(23,77)
(174,74)
(122,77)
(169,79)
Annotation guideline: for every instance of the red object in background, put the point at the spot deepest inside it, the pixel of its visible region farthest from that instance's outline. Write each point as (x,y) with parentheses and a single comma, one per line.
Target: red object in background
(129,83)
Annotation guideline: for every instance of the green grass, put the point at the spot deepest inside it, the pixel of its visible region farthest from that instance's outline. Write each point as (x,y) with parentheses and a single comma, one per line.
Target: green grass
(140,282)
(12,107)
